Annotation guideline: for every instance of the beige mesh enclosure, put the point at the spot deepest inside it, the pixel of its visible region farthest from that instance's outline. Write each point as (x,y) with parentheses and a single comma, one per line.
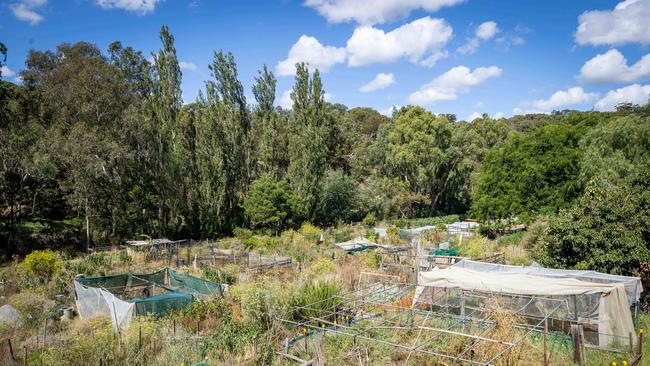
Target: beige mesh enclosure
(633,286)
(603,307)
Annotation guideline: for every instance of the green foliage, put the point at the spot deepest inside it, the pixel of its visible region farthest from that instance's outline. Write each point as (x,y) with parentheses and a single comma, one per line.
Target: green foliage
(339,200)
(320,295)
(606,230)
(530,173)
(271,204)
(370,220)
(43,264)
(218,276)
(433,221)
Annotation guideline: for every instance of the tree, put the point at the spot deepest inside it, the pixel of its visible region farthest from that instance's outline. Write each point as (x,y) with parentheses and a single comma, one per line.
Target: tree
(607,229)
(162,110)
(269,128)
(421,154)
(339,201)
(617,148)
(3,56)
(530,173)
(270,203)
(229,114)
(307,146)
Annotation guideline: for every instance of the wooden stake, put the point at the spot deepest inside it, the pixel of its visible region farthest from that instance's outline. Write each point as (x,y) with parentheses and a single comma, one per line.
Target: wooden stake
(545,342)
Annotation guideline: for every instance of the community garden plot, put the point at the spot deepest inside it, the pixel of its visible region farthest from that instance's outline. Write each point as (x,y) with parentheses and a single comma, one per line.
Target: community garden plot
(382,315)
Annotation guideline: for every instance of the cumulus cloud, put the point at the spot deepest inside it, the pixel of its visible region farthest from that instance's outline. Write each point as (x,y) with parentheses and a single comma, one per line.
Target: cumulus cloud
(381,81)
(626,23)
(388,112)
(285,100)
(499,115)
(311,51)
(483,32)
(26,10)
(413,40)
(136,6)
(635,93)
(453,82)
(187,66)
(559,99)
(612,67)
(6,72)
(473,116)
(379,11)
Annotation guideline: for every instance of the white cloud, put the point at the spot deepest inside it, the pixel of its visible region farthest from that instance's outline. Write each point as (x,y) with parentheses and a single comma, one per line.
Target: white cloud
(285,100)
(453,82)
(487,30)
(483,32)
(626,23)
(388,112)
(25,10)
(187,66)
(307,49)
(136,6)
(381,81)
(499,115)
(473,116)
(635,93)
(413,40)
(7,72)
(612,67)
(379,11)
(435,57)
(560,99)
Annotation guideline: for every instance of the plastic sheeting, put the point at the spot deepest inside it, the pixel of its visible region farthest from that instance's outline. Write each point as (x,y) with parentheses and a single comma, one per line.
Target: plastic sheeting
(99,295)
(613,313)
(92,301)
(633,286)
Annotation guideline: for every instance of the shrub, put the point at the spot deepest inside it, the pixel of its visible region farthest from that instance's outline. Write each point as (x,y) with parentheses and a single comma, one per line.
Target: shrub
(310,232)
(321,267)
(242,233)
(370,220)
(320,297)
(43,264)
(218,276)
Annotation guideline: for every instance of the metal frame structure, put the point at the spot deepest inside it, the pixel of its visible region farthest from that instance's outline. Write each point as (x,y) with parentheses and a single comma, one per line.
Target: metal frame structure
(376,313)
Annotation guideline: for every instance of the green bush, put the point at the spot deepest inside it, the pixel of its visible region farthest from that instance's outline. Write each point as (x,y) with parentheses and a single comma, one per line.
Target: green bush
(218,276)
(43,264)
(242,233)
(310,232)
(370,220)
(320,297)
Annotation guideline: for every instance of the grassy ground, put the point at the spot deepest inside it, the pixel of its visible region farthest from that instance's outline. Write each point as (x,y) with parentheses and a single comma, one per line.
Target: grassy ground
(242,328)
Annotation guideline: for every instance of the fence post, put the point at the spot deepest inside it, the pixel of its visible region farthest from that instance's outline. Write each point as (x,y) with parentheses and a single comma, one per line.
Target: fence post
(577,344)
(546,342)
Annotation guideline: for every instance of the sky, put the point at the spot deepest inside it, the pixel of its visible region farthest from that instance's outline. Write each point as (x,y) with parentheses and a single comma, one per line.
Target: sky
(465,57)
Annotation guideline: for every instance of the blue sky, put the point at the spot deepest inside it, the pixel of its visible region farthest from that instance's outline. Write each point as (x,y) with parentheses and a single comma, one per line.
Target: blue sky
(451,56)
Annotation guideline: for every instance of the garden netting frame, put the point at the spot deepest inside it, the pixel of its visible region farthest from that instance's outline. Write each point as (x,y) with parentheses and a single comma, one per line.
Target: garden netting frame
(121,296)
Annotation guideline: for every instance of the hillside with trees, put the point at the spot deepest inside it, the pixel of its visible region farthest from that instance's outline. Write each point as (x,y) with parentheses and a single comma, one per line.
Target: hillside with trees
(97,146)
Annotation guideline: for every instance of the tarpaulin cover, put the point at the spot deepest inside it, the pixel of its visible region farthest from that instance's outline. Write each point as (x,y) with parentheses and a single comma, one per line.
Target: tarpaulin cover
(613,312)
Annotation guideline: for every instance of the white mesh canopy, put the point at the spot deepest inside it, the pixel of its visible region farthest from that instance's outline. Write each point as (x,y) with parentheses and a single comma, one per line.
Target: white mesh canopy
(633,286)
(611,313)
(92,301)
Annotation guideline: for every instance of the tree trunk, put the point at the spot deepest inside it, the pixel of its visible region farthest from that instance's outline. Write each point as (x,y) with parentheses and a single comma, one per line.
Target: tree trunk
(87,228)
